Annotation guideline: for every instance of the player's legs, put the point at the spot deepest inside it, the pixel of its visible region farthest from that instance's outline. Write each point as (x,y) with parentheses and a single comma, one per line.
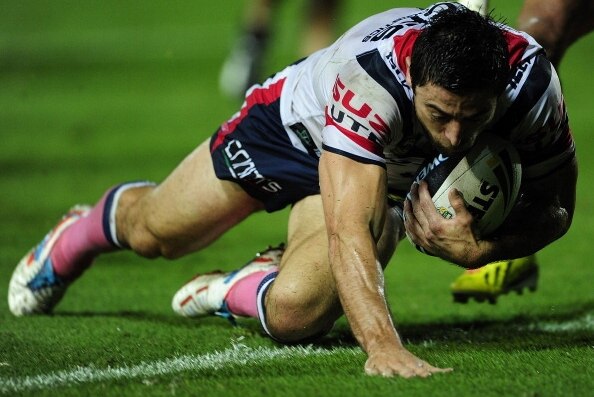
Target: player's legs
(190,209)
(320,21)
(186,212)
(291,291)
(556,24)
(243,66)
(303,300)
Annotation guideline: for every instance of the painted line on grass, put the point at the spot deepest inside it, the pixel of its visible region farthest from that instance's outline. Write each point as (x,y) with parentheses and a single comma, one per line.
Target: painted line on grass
(584,323)
(235,356)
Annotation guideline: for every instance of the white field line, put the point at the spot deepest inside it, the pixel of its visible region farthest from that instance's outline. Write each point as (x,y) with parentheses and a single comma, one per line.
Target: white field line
(237,355)
(584,323)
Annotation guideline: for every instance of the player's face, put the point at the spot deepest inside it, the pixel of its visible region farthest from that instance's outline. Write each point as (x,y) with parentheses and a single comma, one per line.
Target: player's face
(453,122)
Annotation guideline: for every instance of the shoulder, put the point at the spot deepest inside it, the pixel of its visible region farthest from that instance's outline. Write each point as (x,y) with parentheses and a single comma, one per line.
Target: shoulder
(533,92)
(367,95)
(535,117)
(361,115)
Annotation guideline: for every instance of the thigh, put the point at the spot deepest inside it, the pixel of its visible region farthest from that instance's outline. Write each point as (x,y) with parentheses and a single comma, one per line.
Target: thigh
(190,208)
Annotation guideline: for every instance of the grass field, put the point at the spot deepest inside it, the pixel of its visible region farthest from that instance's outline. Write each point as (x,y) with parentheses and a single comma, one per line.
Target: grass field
(97,92)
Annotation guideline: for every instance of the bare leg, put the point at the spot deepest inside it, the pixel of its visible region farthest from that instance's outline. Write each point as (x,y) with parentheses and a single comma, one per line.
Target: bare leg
(243,66)
(188,211)
(556,24)
(259,16)
(321,18)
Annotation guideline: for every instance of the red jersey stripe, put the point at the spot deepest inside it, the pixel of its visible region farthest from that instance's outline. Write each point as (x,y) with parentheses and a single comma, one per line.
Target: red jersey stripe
(258,96)
(357,139)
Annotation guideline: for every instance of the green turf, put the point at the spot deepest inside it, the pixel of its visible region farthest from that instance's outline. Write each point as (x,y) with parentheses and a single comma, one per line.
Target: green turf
(98,92)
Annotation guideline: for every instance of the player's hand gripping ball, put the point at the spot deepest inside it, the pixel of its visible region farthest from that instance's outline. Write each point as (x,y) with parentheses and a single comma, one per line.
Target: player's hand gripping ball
(488,176)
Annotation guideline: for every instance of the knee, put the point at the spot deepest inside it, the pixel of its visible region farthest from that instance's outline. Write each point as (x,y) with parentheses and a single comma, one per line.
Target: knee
(138,229)
(292,317)
(146,239)
(142,241)
(149,245)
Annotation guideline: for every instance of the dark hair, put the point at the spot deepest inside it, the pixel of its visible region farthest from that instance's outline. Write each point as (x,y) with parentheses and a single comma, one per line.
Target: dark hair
(461,51)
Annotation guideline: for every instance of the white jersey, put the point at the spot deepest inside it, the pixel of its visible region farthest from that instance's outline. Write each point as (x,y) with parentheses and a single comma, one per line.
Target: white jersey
(352,98)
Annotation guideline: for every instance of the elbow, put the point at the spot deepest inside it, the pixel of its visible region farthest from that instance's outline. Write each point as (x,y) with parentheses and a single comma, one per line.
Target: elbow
(564,218)
(566,222)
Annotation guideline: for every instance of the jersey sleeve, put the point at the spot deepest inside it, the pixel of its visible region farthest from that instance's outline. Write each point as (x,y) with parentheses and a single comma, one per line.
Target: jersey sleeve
(542,137)
(361,117)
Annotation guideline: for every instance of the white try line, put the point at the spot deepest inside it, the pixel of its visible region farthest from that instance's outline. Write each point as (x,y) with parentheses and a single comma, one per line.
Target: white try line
(584,323)
(237,355)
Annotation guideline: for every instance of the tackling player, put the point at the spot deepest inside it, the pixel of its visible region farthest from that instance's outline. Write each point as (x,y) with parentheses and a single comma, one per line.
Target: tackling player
(331,136)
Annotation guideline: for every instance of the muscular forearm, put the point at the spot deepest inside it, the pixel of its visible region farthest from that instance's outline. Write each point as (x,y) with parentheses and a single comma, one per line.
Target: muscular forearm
(354,199)
(354,207)
(359,279)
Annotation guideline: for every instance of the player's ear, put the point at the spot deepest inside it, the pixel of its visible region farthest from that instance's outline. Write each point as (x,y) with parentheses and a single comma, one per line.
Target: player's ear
(408,80)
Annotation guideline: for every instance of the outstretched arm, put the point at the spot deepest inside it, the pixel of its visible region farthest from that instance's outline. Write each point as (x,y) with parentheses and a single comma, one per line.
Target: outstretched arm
(354,198)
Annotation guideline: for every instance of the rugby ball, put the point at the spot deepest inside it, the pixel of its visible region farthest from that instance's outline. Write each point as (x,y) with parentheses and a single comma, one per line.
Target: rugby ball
(488,176)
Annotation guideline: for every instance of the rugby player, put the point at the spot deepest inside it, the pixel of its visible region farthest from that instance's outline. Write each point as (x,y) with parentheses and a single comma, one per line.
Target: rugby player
(332,137)
(555,24)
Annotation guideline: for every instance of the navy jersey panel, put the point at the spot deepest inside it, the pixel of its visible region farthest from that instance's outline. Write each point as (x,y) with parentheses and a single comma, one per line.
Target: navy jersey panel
(258,155)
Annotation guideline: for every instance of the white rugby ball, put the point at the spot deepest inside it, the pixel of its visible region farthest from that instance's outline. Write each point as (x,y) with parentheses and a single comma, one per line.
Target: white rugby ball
(488,176)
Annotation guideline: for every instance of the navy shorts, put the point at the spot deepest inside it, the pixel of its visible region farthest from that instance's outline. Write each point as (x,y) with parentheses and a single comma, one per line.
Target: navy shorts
(253,150)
